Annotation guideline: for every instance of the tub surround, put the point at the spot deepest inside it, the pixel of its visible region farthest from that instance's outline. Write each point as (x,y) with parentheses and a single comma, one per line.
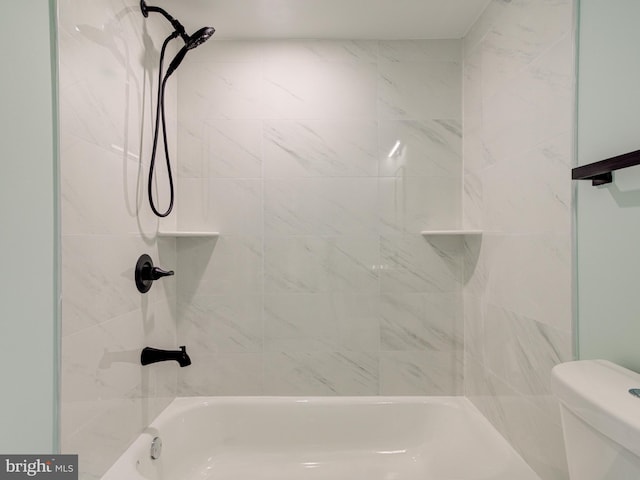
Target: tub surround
(518,152)
(107,61)
(320,281)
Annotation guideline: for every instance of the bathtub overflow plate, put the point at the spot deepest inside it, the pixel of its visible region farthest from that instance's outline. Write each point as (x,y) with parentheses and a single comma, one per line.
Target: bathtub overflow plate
(156,448)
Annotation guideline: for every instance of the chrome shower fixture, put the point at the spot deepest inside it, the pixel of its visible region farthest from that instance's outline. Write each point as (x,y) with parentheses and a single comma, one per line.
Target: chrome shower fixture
(190,42)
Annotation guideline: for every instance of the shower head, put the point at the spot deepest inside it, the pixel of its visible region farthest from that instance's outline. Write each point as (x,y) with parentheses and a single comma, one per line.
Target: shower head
(199,37)
(190,42)
(194,40)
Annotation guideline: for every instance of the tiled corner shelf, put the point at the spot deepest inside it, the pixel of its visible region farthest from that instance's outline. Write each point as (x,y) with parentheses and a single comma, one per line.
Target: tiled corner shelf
(441,233)
(188,234)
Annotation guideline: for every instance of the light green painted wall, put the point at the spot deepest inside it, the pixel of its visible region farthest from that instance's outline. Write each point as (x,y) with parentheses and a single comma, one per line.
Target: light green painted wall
(28,245)
(608,220)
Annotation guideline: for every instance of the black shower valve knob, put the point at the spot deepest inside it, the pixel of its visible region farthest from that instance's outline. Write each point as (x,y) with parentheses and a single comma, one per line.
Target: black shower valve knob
(157,273)
(146,273)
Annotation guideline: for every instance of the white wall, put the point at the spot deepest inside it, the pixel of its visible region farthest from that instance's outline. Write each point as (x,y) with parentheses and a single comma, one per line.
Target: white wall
(518,153)
(28,285)
(320,283)
(108,68)
(608,234)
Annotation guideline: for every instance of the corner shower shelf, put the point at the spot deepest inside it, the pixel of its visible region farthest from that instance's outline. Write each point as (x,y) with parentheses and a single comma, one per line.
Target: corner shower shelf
(441,233)
(187,234)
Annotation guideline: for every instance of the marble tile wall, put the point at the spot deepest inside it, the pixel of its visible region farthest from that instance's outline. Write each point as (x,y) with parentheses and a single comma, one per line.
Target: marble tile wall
(518,152)
(320,283)
(108,56)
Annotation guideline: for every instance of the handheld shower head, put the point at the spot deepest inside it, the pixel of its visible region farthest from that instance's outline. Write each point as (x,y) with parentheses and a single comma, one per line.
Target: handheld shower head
(190,42)
(200,37)
(194,40)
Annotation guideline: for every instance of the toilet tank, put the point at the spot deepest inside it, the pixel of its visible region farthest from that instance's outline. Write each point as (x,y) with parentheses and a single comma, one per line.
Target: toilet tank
(600,419)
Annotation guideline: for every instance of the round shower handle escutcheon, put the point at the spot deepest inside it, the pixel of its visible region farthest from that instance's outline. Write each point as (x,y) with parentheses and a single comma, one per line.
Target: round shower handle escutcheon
(146,273)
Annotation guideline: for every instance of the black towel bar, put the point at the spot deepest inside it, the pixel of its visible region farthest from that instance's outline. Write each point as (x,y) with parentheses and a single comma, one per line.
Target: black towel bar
(600,172)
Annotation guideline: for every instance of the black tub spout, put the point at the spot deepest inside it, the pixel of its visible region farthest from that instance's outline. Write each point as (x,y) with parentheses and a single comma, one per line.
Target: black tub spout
(153,355)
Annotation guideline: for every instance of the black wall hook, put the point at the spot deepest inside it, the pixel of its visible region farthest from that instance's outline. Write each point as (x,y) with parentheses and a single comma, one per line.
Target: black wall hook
(146,273)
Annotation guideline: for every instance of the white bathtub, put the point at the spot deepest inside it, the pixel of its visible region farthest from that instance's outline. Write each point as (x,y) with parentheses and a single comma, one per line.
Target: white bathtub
(343,438)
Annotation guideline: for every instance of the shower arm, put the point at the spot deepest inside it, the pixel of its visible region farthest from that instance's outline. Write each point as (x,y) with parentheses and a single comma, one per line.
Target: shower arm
(175,23)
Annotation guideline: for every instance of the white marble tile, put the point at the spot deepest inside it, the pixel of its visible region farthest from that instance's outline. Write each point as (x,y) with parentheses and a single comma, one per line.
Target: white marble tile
(519,104)
(193,158)
(412,204)
(430,322)
(97,279)
(538,440)
(315,264)
(102,77)
(421,50)
(101,192)
(420,373)
(551,77)
(491,15)
(321,206)
(420,91)
(221,90)
(221,323)
(429,148)
(323,91)
(521,351)
(511,126)
(222,374)
(410,264)
(525,31)
(474,311)
(234,148)
(530,194)
(358,321)
(160,387)
(531,275)
(300,322)
(227,265)
(320,51)
(219,148)
(472,90)
(484,389)
(322,322)
(231,206)
(472,200)
(227,51)
(321,373)
(159,323)
(533,434)
(103,439)
(335,148)
(544,109)
(100,363)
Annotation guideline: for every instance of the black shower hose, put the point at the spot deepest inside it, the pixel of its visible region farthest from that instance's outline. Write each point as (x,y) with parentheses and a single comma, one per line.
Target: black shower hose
(162,81)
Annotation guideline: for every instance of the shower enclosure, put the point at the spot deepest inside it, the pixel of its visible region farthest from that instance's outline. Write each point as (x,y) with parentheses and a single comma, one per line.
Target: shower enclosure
(320,281)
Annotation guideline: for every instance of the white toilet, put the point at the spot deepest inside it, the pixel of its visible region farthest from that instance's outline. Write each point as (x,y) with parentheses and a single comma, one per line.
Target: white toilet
(600,419)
